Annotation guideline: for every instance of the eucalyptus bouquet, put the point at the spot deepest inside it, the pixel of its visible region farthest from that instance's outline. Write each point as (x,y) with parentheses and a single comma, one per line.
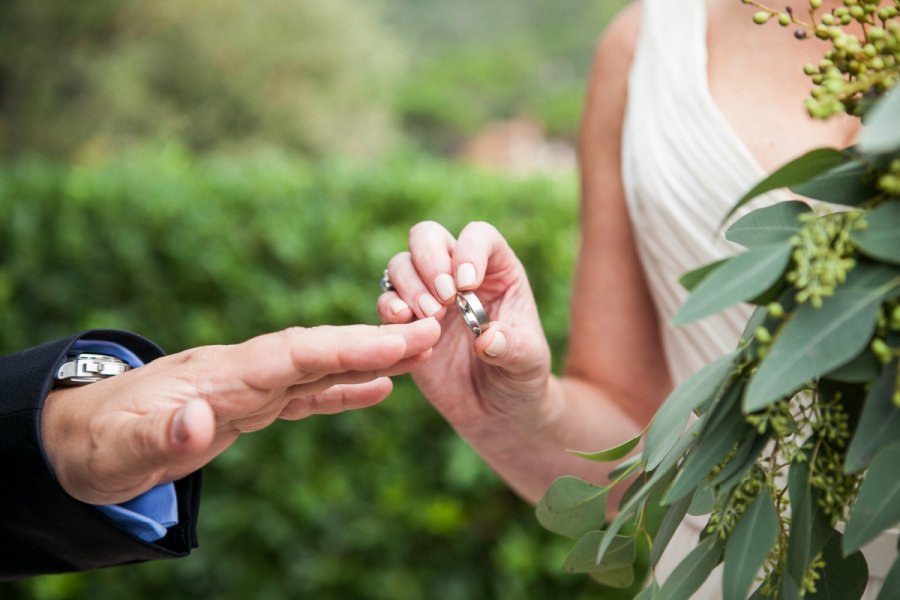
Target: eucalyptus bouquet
(791,443)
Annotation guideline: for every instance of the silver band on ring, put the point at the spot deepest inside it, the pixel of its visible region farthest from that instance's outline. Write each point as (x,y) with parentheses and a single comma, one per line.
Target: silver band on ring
(472,312)
(385,283)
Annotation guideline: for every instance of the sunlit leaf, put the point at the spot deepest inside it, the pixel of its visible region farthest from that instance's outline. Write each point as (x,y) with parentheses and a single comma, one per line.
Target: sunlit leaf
(673,518)
(842,577)
(850,184)
(672,416)
(583,557)
(691,572)
(768,225)
(817,340)
(749,545)
(692,278)
(879,425)
(744,277)
(881,237)
(877,506)
(882,129)
(611,454)
(797,171)
(572,507)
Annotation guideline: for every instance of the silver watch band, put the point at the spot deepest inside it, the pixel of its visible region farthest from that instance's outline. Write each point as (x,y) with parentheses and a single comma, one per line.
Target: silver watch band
(89,368)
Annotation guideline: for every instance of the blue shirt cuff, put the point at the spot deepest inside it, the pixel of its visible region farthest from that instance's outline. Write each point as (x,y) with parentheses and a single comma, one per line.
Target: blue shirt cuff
(148,516)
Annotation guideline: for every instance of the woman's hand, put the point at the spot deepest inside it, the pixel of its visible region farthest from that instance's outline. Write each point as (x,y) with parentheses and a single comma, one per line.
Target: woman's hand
(113,440)
(473,381)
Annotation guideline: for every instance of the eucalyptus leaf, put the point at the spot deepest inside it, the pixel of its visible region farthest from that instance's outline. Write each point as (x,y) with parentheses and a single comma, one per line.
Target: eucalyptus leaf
(881,237)
(748,546)
(817,340)
(673,518)
(744,277)
(703,501)
(615,578)
(610,454)
(649,593)
(879,425)
(841,577)
(769,225)
(692,278)
(890,589)
(625,466)
(744,459)
(796,171)
(882,129)
(572,507)
(675,411)
(634,504)
(800,540)
(691,572)
(809,526)
(877,506)
(850,184)
(862,369)
(583,557)
(789,590)
(711,448)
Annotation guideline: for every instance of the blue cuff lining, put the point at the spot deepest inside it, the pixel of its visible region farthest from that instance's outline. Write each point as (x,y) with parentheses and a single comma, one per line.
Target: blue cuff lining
(149,515)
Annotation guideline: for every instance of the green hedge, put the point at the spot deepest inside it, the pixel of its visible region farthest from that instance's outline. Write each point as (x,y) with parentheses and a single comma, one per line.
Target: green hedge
(383,503)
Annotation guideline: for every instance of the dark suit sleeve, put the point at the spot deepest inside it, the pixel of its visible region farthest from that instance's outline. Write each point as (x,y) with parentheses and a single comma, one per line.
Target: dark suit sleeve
(42,528)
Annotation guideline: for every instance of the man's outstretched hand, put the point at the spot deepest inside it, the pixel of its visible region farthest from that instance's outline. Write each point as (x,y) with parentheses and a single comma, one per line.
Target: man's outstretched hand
(110,441)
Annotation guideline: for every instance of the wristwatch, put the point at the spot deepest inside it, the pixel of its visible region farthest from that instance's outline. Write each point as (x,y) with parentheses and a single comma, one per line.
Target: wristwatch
(83,367)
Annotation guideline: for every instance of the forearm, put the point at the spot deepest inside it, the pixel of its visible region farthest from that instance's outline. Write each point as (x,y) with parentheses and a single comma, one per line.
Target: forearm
(580,416)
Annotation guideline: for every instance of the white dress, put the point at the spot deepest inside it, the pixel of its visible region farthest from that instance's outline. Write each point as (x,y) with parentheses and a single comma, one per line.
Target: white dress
(683,166)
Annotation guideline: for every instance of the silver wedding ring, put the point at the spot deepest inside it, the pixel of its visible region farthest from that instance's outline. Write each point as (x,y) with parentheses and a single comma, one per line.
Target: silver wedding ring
(472,312)
(385,283)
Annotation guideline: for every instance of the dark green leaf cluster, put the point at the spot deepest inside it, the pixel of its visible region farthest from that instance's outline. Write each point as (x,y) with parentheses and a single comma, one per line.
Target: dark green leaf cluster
(786,442)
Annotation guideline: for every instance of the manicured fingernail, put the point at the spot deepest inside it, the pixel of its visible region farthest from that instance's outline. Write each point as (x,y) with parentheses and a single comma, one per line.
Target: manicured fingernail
(497,345)
(465,275)
(397,306)
(429,305)
(178,433)
(445,287)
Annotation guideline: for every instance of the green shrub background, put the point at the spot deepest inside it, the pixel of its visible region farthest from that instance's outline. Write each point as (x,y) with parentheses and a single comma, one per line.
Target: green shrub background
(381,503)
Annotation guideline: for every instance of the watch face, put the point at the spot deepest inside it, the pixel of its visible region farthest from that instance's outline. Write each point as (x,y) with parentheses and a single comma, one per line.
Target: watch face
(83,368)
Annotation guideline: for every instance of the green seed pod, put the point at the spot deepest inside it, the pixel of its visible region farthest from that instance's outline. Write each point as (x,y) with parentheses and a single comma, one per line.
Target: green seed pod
(784,20)
(776,310)
(761,17)
(763,335)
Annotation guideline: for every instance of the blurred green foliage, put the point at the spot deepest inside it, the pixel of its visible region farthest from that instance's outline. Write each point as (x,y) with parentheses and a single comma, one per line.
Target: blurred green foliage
(352,77)
(476,61)
(94,76)
(381,503)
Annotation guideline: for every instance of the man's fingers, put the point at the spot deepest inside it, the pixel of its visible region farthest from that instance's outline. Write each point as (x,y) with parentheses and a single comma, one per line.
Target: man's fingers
(338,398)
(296,355)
